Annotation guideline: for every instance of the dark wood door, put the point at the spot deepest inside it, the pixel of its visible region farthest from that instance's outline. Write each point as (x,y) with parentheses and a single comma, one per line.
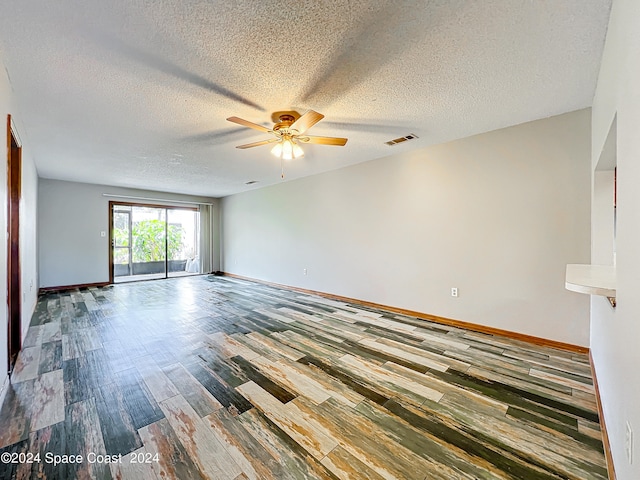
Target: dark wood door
(14,304)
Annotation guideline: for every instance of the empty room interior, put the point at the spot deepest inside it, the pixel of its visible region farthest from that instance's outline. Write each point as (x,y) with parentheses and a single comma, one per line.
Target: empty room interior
(320,240)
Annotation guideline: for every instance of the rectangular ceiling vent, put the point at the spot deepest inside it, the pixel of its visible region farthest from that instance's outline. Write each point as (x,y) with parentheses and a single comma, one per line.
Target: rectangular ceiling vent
(395,141)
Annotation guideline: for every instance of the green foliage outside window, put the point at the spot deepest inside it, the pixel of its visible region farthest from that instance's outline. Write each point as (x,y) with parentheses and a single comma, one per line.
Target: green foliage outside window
(121,237)
(148,242)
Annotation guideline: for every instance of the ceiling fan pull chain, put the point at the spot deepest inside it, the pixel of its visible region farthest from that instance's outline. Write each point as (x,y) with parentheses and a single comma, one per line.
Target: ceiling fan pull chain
(281,168)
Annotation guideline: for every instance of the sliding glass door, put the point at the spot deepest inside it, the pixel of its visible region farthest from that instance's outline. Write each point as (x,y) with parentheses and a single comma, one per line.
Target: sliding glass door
(150,242)
(183,240)
(121,241)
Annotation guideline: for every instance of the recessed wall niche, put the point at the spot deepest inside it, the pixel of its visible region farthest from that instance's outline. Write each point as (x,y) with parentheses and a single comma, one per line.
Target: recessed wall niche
(604,208)
(599,277)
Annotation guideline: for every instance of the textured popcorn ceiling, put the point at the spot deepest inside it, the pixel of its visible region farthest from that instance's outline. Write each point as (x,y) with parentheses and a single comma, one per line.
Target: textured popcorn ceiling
(135,93)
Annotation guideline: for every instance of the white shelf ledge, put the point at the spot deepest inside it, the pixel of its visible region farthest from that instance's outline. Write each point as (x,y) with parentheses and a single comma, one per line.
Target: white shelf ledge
(591,279)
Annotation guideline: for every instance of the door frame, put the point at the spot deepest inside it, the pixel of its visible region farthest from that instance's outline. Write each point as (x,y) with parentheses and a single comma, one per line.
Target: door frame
(113,203)
(112,244)
(14,276)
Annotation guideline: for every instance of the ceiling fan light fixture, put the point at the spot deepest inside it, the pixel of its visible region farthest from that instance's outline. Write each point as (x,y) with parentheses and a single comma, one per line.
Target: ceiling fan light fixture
(297,151)
(277,150)
(287,149)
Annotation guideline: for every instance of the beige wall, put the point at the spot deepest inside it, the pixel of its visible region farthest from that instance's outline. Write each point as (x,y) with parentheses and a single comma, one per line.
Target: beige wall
(615,334)
(497,215)
(70,218)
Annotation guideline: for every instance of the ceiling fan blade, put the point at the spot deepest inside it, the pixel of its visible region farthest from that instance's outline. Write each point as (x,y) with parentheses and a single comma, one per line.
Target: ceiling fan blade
(257,144)
(340,142)
(247,123)
(306,121)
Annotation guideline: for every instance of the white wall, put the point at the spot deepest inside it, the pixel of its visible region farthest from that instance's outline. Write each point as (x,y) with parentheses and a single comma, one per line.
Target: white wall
(497,215)
(70,218)
(615,335)
(28,237)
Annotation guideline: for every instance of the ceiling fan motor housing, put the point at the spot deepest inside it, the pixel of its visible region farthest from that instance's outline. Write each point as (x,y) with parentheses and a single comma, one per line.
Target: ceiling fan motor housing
(285,122)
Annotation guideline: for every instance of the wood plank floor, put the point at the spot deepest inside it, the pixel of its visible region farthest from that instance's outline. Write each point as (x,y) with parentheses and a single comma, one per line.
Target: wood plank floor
(213,377)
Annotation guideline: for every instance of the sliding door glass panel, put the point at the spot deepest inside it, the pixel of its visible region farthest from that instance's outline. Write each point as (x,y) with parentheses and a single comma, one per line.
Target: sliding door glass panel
(121,241)
(149,246)
(182,244)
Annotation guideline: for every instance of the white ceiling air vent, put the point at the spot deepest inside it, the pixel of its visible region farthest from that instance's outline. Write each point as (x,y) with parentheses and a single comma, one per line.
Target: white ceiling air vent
(395,141)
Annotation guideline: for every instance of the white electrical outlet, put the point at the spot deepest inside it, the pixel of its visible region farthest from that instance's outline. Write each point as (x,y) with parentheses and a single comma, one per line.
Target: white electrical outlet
(628,442)
(454,291)
(304,270)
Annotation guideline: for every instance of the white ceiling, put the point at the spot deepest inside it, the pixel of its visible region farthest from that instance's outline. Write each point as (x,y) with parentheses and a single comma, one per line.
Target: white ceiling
(135,93)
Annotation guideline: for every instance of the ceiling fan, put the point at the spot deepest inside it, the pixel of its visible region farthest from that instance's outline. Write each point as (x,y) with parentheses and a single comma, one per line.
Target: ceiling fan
(288,132)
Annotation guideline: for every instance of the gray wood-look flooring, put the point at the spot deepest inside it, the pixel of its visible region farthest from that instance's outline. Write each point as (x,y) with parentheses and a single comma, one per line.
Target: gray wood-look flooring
(219,378)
